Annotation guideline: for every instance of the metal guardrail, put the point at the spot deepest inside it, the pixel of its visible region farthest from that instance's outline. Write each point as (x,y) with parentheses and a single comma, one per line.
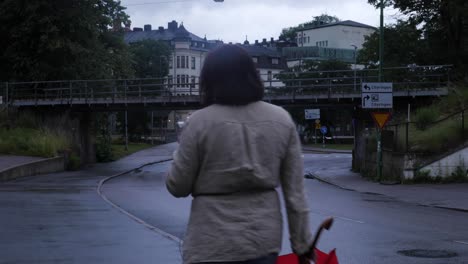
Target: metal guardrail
(425,80)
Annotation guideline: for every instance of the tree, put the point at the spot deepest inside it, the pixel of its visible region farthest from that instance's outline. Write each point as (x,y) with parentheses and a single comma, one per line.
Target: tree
(290,32)
(444,24)
(55,39)
(150,58)
(404,45)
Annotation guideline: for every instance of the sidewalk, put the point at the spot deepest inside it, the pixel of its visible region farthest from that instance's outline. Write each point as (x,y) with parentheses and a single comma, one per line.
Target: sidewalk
(60,218)
(448,196)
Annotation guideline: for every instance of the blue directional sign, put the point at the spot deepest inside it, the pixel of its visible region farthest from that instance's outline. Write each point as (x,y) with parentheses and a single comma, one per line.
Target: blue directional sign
(323,129)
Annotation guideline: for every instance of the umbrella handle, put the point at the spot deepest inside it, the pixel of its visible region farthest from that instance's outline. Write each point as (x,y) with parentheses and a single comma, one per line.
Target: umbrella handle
(325,225)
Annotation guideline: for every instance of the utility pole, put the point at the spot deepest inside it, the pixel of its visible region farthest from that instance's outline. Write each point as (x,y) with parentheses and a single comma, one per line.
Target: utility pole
(381,48)
(381,39)
(126,131)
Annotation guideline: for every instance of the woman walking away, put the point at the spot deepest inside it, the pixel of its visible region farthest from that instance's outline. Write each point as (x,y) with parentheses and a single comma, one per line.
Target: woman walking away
(232,156)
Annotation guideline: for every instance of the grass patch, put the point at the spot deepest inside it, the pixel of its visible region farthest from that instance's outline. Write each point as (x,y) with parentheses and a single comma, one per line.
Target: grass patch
(437,138)
(31,142)
(331,146)
(118,150)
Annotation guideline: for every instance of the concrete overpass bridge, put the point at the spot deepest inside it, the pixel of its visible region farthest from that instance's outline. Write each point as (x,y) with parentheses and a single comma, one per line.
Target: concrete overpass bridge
(319,88)
(71,105)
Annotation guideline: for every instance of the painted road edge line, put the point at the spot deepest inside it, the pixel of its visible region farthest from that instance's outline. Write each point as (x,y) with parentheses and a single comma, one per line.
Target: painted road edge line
(461,242)
(133,217)
(349,219)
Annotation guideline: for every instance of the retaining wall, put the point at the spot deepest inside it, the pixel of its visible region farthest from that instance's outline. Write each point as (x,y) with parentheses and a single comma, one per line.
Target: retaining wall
(44,166)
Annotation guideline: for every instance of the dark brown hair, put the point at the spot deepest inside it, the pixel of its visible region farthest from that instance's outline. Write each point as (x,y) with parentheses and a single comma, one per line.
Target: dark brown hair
(229,77)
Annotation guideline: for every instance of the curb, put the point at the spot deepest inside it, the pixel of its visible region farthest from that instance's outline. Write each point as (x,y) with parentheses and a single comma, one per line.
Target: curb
(314,176)
(328,151)
(125,212)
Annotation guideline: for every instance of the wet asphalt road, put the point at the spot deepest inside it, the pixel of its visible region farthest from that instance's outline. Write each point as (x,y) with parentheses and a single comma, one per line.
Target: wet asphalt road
(368,228)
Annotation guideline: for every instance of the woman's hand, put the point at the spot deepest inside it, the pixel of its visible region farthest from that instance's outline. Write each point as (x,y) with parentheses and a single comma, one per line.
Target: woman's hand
(307,257)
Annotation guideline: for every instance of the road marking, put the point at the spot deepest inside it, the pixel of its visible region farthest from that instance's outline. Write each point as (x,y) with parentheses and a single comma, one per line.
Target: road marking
(461,242)
(349,219)
(337,217)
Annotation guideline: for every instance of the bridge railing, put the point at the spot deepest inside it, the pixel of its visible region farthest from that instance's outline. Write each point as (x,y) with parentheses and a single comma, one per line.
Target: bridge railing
(290,84)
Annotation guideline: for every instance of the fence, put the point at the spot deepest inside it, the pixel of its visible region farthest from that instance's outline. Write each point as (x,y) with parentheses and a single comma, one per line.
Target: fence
(418,78)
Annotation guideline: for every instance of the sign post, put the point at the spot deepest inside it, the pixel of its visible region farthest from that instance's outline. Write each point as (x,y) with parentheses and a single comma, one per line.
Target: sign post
(317,126)
(311,114)
(380,96)
(324,130)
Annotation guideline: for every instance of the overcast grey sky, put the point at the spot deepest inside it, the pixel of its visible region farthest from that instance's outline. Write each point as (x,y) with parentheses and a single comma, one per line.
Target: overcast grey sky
(232,20)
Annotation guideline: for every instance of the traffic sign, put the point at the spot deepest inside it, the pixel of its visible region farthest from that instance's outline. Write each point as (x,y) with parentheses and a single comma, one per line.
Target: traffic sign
(377,95)
(312,114)
(318,126)
(381,118)
(317,121)
(377,100)
(323,129)
(1,100)
(377,87)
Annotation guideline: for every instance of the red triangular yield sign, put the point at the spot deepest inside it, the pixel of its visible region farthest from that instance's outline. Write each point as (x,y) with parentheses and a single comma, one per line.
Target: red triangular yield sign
(381,118)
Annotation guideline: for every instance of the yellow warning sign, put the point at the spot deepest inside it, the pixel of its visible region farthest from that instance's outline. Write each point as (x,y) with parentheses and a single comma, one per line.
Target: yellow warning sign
(318,126)
(381,118)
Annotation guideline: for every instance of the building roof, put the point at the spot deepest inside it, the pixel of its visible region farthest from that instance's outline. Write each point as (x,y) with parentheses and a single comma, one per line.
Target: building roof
(160,34)
(264,56)
(348,23)
(257,50)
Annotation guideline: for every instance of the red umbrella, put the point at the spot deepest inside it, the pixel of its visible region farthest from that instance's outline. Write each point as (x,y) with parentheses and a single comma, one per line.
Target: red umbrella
(320,257)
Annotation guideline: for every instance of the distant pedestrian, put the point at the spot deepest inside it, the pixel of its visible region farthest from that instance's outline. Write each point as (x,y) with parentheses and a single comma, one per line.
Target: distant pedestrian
(232,156)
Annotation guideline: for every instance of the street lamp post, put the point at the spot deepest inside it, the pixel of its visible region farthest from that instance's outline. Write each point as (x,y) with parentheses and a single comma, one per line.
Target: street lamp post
(355,62)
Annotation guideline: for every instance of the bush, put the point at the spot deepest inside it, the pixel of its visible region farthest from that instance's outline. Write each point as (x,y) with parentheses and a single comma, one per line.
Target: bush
(74,162)
(424,117)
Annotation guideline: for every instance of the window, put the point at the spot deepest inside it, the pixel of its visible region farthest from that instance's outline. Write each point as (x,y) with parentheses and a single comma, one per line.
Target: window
(178,62)
(317,44)
(308,39)
(169,81)
(186,62)
(326,43)
(269,76)
(178,80)
(170,63)
(255,59)
(275,61)
(182,65)
(193,62)
(192,85)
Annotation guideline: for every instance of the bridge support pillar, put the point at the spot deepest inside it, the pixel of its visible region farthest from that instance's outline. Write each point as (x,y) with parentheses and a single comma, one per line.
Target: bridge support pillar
(87,140)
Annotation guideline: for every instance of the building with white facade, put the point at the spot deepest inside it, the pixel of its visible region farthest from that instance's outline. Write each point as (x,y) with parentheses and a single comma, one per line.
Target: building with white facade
(339,35)
(188,55)
(335,41)
(189,52)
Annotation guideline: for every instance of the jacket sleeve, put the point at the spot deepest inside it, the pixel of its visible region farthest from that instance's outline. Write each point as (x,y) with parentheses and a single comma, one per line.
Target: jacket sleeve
(185,166)
(292,184)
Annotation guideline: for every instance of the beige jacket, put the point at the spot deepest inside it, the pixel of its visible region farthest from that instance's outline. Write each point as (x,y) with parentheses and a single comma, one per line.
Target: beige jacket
(231,159)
